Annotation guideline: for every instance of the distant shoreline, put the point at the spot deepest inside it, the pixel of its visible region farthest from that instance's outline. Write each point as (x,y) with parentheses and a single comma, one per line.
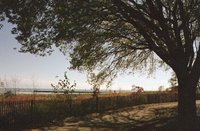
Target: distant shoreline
(52,91)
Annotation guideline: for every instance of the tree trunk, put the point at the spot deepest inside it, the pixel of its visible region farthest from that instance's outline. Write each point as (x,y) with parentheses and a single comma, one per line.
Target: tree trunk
(187,104)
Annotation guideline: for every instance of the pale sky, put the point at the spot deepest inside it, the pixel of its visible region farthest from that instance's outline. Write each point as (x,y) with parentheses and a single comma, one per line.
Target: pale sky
(26,68)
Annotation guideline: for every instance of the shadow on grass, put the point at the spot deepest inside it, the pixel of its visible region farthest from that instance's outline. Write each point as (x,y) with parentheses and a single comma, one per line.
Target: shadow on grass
(138,118)
(161,119)
(129,121)
(22,122)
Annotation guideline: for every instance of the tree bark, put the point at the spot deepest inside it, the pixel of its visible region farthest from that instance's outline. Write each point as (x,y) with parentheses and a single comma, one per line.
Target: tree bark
(187,103)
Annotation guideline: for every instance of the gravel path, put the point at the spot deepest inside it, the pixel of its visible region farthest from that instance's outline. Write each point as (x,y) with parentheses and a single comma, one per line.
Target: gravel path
(131,118)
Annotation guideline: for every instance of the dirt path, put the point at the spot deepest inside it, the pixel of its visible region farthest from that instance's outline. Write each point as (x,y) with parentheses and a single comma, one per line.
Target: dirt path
(142,117)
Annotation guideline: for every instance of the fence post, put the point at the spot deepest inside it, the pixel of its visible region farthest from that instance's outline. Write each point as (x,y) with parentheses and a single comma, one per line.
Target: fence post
(97,103)
(32,112)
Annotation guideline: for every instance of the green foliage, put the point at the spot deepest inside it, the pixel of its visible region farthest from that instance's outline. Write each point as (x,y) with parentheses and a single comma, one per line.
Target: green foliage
(173,80)
(111,36)
(94,33)
(8,94)
(64,85)
(108,37)
(68,88)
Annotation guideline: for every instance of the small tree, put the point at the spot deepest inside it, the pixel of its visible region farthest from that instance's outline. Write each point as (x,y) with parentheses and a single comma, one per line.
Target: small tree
(15,83)
(2,84)
(68,88)
(161,88)
(94,80)
(173,80)
(6,84)
(137,89)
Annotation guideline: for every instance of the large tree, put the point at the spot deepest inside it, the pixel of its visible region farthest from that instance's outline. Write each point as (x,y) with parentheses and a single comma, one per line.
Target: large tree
(110,36)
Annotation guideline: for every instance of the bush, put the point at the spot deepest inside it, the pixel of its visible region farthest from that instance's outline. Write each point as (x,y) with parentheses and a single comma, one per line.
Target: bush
(8,94)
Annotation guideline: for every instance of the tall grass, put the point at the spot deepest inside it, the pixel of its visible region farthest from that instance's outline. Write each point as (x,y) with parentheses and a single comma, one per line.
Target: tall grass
(34,112)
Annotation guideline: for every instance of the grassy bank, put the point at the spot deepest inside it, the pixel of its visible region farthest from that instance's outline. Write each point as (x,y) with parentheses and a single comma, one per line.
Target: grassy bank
(34,111)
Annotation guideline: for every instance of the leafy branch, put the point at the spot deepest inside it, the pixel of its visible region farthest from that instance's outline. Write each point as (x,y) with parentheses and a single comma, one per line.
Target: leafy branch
(65,85)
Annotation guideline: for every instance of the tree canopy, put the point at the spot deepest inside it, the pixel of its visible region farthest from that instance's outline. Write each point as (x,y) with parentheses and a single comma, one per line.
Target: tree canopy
(112,35)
